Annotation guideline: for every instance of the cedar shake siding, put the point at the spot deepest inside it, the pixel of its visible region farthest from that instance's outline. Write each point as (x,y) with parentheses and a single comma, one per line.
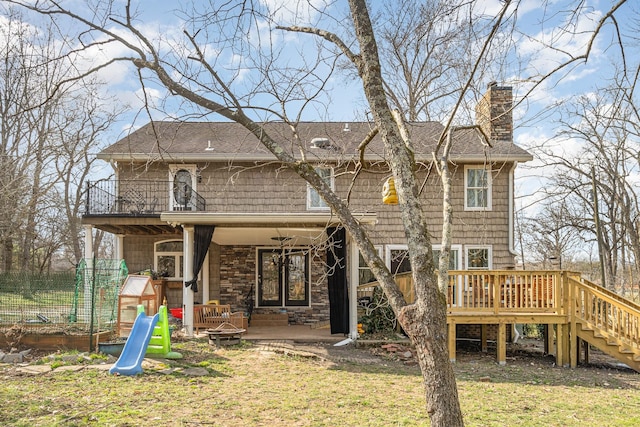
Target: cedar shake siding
(270,188)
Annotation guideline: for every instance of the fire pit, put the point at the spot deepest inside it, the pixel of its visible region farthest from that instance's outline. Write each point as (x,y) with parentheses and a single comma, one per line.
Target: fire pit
(226,333)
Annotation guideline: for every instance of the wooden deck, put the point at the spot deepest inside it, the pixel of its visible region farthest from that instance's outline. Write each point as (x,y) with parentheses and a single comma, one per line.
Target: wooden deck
(572,309)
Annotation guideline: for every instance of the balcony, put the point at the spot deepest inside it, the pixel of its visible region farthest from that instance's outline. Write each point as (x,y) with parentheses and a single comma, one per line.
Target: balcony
(140,198)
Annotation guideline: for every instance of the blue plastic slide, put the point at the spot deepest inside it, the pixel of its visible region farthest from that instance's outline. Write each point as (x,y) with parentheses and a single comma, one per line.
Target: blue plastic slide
(130,361)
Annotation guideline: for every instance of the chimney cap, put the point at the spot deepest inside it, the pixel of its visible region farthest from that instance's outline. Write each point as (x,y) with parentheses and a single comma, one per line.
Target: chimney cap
(492,84)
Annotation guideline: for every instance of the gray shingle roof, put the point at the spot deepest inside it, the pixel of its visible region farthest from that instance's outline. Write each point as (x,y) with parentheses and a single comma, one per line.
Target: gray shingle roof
(221,141)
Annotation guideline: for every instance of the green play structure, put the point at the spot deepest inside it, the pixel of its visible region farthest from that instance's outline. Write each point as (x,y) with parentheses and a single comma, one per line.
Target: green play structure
(160,342)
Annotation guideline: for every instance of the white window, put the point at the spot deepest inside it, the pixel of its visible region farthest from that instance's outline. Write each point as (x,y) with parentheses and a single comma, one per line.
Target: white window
(182,187)
(477,188)
(398,259)
(454,256)
(478,257)
(364,272)
(168,257)
(314,201)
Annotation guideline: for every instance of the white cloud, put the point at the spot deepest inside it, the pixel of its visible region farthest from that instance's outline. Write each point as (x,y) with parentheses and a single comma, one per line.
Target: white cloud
(287,12)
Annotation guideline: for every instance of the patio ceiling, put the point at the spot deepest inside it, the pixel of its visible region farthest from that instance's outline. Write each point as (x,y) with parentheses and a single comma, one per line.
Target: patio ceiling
(268,236)
(259,229)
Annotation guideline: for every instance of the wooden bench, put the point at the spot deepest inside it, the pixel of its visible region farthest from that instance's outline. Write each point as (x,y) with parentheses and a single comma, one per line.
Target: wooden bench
(210,316)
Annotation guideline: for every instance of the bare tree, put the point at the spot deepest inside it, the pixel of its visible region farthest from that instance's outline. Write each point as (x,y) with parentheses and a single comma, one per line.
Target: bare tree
(284,87)
(428,51)
(47,128)
(549,236)
(604,138)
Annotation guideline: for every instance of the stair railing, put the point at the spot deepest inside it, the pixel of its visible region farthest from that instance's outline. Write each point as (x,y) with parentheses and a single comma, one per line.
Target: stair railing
(602,310)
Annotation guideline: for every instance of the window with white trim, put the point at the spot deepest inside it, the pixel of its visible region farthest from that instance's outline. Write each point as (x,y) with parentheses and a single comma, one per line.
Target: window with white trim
(314,201)
(364,272)
(477,188)
(398,259)
(168,259)
(454,256)
(478,257)
(182,185)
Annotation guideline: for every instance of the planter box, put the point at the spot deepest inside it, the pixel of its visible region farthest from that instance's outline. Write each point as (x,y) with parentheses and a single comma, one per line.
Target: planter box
(57,341)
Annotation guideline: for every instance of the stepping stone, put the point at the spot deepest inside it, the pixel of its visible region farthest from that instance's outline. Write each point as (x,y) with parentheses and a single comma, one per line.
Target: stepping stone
(34,369)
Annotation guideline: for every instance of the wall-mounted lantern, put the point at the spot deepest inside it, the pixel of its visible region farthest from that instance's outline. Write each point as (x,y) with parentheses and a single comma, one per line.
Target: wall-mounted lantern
(389,196)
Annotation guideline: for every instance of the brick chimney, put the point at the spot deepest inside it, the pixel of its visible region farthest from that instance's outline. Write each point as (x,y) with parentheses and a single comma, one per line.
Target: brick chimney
(493,112)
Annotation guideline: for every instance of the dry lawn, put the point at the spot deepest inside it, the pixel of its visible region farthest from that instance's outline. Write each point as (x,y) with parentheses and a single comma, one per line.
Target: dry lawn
(250,385)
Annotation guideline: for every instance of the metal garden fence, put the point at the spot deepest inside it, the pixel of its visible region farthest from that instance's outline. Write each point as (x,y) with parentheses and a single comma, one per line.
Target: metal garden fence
(84,301)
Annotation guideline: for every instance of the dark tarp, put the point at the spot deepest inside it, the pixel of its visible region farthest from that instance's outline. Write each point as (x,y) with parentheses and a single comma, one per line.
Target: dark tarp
(202,235)
(337,280)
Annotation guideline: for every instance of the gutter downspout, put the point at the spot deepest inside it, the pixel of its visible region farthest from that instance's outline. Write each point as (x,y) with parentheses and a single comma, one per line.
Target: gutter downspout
(512,249)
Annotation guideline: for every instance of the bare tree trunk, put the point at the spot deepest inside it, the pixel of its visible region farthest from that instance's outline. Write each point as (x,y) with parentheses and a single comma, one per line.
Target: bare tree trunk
(424,321)
(426,325)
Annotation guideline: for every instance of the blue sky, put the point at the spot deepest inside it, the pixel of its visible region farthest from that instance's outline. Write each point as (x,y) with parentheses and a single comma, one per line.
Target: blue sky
(157,20)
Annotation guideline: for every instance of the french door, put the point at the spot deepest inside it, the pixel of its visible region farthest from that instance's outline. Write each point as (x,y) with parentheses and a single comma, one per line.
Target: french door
(283,277)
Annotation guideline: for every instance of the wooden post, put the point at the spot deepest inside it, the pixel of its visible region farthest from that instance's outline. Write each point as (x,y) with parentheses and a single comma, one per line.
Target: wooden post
(574,347)
(501,343)
(560,347)
(452,342)
(548,338)
(586,351)
(573,342)
(483,338)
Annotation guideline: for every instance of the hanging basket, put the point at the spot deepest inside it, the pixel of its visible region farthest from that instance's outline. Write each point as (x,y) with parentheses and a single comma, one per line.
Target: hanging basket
(389,196)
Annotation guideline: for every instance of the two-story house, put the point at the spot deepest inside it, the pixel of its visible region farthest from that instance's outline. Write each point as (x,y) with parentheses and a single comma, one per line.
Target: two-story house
(272,237)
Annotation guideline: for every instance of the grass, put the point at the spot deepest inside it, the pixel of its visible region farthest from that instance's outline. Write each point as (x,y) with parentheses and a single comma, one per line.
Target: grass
(251,386)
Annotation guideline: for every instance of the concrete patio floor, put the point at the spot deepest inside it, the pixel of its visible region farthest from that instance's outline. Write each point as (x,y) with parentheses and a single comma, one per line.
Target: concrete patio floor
(296,333)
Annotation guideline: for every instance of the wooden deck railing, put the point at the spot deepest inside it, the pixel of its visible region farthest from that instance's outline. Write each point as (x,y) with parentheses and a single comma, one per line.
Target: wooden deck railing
(494,291)
(612,316)
(500,291)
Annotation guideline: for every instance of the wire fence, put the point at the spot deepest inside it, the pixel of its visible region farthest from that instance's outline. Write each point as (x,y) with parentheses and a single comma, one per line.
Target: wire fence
(82,301)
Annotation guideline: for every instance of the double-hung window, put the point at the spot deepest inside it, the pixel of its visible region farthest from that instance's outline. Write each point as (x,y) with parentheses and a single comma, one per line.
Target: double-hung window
(477,188)
(454,257)
(478,257)
(364,272)
(314,201)
(169,259)
(398,259)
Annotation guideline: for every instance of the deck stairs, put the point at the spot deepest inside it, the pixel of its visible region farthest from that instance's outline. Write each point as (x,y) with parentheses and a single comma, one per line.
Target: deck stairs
(608,322)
